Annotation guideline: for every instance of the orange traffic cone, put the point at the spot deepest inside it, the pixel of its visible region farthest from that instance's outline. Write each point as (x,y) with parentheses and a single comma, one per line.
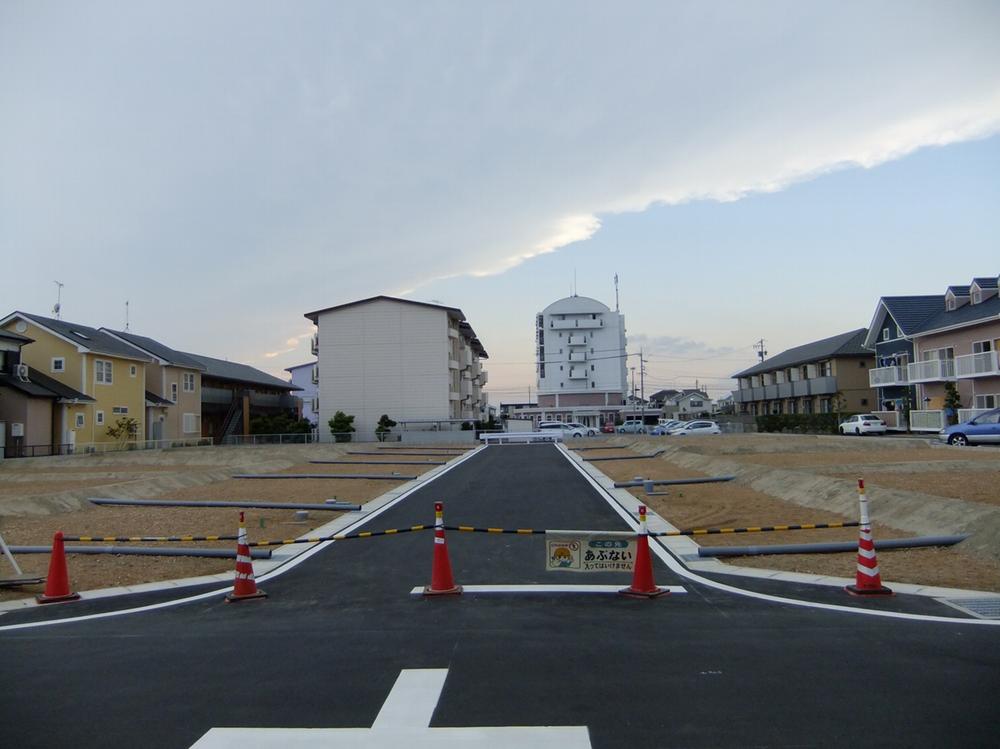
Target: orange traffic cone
(57,582)
(867,580)
(442,582)
(244,586)
(643,585)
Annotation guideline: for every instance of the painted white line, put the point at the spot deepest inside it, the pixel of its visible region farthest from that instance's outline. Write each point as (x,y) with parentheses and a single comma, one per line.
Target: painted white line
(679,569)
(290,564)
(546,589)
(403,722)
(412,699)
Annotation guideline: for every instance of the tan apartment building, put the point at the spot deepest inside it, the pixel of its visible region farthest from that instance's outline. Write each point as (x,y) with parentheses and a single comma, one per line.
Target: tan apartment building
(811,378)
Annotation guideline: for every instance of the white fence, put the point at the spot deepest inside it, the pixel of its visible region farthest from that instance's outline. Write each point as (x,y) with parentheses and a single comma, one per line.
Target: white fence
(926,421)
(510,438)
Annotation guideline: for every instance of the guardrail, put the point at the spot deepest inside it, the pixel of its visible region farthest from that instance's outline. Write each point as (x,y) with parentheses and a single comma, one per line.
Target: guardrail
(512,438)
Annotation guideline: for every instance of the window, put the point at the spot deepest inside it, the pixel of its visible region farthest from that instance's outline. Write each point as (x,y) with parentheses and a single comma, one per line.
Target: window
(977,296)
(173,391)
(696,403)
(123,410)
(950,304)
(982,347)
(189,382)
(102,372)
(826,368)
(58,364)
(190,423)
(987,401)
(100,418)
(79,421)
(885,334)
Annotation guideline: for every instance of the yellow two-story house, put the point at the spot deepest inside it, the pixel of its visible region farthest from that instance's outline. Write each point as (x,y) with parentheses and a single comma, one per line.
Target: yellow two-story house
(173,388)
(93,362)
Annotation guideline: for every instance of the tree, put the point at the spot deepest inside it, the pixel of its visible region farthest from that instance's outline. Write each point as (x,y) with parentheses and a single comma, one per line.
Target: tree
(952,402)
(341,426)
(384,426)
(123,430)
(279,423)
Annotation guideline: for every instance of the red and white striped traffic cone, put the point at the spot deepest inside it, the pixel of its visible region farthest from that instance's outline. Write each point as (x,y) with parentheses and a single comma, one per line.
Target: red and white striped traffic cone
(643,585)
(442,583)
(867,580)
(244,585)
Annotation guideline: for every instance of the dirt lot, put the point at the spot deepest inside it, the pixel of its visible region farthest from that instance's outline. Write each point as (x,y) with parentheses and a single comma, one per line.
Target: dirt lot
(963,474)
(40,496)
(34,503)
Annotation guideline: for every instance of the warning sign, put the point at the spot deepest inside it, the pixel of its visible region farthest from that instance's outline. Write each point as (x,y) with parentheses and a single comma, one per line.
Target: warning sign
(576,551)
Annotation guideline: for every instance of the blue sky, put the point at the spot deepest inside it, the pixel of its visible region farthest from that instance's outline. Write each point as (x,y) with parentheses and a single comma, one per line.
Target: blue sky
(750,171)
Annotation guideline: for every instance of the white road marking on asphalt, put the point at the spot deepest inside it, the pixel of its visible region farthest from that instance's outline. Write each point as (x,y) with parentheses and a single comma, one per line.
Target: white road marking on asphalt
(529,589)
(679,569)
(403,721)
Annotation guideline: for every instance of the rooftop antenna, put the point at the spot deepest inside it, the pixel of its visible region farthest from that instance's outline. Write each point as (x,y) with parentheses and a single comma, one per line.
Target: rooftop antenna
(126,315)
(58,306)
(616,292)
(574,282)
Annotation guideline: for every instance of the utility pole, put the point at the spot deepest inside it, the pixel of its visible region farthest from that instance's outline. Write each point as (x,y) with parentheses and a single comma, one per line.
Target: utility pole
(633,389)
(759,347)
(616,293)
(642,385)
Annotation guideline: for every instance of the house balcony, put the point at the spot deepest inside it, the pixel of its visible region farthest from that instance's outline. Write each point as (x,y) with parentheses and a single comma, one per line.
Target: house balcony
(314,344)
(932,370)
(453,332)
(578,373)
(578,356)
(466,388)
(453,396)
(577,340)
(315,375)
(483,377)
(452,364)
(985,364)
(887,376)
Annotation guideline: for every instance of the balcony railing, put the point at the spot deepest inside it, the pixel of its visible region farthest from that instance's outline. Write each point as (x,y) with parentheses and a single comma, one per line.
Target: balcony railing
(977,365)
(314,344)
(926,421)
(932,370)
(578,356)
(584,324)
(577,340)
(578,373)
(887,376)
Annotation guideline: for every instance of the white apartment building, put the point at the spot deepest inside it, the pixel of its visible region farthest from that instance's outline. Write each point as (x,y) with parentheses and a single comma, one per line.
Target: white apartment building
(417,362)
(580,354)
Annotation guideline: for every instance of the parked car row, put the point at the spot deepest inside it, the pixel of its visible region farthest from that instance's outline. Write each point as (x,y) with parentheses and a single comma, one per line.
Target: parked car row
(980,430)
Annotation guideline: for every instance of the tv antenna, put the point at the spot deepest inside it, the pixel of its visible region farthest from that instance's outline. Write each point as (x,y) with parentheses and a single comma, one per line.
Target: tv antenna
(126,315)
(616,292)
(58,305)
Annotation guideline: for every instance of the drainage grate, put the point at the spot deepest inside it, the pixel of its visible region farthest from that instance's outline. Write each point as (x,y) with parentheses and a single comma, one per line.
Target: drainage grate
(981,608)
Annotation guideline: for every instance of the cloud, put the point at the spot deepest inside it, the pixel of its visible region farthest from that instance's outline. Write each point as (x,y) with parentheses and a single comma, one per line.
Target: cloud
(309,154)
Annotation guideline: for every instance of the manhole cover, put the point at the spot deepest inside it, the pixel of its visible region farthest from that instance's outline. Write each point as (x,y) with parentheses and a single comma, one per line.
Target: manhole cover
(981,608)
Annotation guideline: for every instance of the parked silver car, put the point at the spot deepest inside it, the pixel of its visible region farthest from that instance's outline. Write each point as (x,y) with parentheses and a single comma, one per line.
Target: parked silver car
(632,426)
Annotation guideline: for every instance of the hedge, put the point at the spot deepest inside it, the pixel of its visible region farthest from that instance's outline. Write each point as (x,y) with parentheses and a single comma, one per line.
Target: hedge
(801,423)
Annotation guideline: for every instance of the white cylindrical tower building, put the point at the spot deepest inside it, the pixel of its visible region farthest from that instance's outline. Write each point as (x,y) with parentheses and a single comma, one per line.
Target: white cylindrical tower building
(580,355)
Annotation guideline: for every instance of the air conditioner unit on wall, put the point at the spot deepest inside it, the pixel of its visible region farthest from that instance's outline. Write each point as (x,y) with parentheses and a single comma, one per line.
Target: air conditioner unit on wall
(22,372)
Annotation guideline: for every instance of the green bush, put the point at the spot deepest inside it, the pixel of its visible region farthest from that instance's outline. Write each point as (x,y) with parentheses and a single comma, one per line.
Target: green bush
(340,426)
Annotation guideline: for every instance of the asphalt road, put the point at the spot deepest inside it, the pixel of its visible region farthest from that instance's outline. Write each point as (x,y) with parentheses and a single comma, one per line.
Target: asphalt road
(704,669)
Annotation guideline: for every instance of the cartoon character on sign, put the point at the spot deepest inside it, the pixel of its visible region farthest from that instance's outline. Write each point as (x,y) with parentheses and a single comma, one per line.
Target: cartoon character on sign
(561,557)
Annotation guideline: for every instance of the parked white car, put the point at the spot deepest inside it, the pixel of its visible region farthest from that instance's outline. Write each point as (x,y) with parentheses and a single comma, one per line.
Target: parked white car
(565,429)
(862,424)
(696,427)
(632,426)
(589,431)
